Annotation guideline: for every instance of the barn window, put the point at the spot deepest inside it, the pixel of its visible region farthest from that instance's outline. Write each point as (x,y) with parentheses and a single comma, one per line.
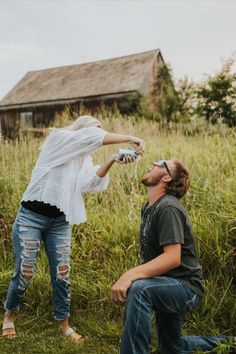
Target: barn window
(26,120)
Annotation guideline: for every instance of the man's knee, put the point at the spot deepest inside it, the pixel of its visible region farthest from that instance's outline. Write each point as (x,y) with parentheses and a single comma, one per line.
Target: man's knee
(137,288)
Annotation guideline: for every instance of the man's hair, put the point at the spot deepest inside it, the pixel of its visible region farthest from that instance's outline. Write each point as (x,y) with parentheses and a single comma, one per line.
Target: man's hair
(180,182)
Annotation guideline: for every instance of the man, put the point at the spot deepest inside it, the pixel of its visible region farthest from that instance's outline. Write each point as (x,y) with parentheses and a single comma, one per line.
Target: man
(169,280)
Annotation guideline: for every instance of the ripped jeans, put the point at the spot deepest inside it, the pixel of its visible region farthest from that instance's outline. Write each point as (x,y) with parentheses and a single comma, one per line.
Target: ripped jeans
(28,231)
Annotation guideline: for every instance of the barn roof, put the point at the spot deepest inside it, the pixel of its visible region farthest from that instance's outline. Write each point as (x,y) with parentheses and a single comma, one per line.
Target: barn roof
(112,76)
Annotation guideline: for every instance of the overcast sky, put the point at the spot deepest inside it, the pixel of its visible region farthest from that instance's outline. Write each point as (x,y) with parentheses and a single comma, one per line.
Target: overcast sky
(194,36)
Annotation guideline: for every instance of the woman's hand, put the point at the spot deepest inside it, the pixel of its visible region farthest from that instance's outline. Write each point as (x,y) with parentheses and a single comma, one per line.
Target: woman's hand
(126,159)
(139,145)
(105,167)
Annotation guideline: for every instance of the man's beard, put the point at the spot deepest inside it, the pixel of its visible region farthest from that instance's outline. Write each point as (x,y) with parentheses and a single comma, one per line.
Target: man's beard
(150,181)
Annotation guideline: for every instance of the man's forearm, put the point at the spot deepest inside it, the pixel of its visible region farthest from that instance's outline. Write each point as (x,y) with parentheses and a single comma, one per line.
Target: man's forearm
(158,266)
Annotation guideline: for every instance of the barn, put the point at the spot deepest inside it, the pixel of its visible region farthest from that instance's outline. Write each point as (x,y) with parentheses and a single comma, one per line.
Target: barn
(40,95)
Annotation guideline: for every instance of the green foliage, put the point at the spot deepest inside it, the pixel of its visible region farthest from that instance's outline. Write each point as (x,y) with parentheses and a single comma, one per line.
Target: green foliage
(165,100)
(130,104)
(187,93)
(108,243)
(145,110)
(217,96)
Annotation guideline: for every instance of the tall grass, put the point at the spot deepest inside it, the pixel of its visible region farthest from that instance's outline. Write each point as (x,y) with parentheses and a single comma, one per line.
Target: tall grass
(108,243)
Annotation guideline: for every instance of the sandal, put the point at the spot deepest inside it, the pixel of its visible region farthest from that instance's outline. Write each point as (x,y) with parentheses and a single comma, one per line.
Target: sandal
(69,332)
(8,325)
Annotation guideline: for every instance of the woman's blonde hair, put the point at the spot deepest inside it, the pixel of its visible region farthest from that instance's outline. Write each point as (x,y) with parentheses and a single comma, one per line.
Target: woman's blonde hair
(83,122)
(79,123)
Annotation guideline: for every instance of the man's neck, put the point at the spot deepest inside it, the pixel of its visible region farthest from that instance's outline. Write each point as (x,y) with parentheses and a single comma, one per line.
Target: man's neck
(154,193)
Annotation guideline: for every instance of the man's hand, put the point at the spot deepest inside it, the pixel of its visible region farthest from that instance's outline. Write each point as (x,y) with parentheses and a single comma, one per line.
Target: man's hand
(119,290)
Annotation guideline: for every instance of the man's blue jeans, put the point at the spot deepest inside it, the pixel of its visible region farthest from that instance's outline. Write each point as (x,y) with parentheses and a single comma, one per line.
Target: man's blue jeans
(170,299)
(29,230)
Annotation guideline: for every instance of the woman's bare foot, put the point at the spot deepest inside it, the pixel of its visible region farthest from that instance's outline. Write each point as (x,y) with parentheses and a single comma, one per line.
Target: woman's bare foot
(8,328)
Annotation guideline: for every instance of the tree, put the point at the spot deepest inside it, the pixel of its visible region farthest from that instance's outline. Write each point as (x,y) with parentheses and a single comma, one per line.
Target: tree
(187,93)
(217,96)
(165,101)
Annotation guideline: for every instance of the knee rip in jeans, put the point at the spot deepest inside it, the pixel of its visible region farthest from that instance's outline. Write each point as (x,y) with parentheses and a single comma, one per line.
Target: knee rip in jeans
(28,256)
(27,270)
(30,247)
(26,273)
(63,271)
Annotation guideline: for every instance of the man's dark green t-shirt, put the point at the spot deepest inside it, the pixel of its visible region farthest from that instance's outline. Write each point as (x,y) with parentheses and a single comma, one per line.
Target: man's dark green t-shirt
(166,222)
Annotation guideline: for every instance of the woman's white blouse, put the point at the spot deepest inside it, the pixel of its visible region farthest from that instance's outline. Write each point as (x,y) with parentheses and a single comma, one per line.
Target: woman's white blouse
(64,170)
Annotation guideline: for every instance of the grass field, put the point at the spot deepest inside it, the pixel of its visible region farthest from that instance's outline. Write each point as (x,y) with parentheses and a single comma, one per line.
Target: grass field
(108,243)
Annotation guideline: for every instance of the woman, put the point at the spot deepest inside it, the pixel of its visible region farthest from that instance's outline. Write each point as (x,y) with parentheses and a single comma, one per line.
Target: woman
(51,203)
